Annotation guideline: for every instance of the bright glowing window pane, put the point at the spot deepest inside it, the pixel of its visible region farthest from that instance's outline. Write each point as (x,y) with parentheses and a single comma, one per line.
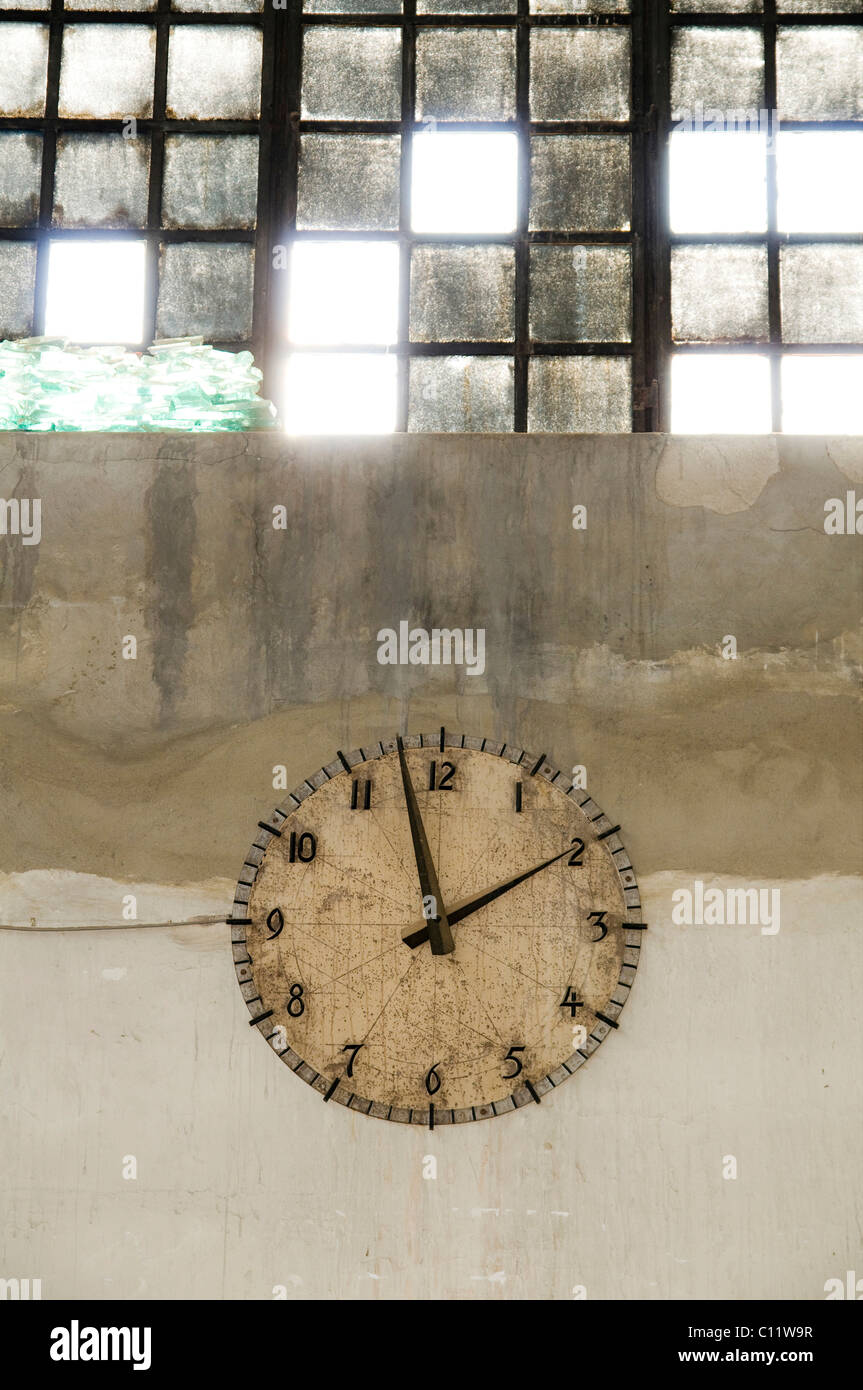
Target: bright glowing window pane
(344,292)
(720,393)
(96,291)
(464,181)
(340,393)
(718,181)
(820,176)
(822,395)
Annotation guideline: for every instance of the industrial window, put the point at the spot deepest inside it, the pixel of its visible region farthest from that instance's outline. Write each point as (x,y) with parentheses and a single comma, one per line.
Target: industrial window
(554,215)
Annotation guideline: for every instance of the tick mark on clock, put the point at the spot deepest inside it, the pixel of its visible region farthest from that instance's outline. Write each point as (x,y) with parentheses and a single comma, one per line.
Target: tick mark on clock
(535,769)
(343,760)
(605,834)
(442,737)
(272,830)
(238,921)
(431,1115)
(535,1096)
(332,1088)
(605,1019)
(260,1018)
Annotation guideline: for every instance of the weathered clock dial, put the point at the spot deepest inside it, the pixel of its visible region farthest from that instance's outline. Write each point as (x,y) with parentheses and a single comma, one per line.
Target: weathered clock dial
(436,929)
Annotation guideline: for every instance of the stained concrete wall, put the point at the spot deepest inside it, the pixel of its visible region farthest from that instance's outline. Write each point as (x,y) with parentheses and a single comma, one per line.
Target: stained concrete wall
(256,646)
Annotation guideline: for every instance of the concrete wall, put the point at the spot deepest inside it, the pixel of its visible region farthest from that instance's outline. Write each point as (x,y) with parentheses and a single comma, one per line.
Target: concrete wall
(256,646)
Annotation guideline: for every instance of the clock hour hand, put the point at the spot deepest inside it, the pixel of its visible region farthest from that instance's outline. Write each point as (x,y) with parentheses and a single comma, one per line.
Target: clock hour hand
(458,914)
(437,930)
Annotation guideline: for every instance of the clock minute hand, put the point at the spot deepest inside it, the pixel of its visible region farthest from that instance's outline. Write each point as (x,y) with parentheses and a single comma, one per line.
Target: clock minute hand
(458,914)
(437,930)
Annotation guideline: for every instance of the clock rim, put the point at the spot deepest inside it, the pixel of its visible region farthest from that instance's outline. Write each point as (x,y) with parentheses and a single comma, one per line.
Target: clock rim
(430,1116)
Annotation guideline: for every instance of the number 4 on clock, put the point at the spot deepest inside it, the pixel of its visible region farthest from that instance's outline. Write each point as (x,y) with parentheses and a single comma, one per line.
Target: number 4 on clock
(569,1001)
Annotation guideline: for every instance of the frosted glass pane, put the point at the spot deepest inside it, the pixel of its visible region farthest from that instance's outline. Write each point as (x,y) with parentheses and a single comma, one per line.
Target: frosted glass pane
(579,183)
(580,395)
(344,292)
(17,281)
(352,6)
(816,193)
(465,394)
(716,6)
(718,182)
(462,292)
(464,181)
(214,73)
(95,291)
(23,69)
(579,6)
(718,69)
(581,294)
(466,74)
(467,6)
(207,290)
(720,393)
(20,176)
(210,181)
(719,294)
(820,6)
(820,73)
(340,393)
(822,294)
(352,74)
(579,74)
(25,4)
(107,70)
(349,181)
(822,395)
(101,181)
(215,6)
(108,4)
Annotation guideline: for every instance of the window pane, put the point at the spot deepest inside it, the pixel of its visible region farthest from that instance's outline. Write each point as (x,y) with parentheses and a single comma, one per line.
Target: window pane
(344,292)
(822,395)
(205,289)
(214,73)
(817,192)
(95,291)
(580,395)
(17,281)
(822,294)
(101,181)
(719,294)
(716,6)
(20,177)
(820,73)
(716,393)
(579,183)
(214,6)
(581,294)
(464,181)
(340,393)
(349,181)
(352,74)
(25,4)
(721,70)
(466,74)
(579,74)
(107,5)
(462,292)
(470,394)
(107,70)
(820,6)
(352,6)
(24,70)
(579,6)
(210,181)
(467,6)
(718,182)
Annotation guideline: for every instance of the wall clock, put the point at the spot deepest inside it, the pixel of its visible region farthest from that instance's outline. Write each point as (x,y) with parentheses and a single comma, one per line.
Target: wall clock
(436,929)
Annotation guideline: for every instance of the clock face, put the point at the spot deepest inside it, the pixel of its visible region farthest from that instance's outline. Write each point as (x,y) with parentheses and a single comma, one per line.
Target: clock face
(436,929)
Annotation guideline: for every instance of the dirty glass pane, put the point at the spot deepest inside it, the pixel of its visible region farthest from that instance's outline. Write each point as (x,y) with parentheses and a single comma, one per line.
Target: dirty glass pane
(579,183)
(349,182)
(107,4)
(469,394)
(579,74)
(719,294)
(25,5)
(352,6)
(20,176)
(214,6)
(101,181)
(24,70)
(580,395)
(581,294)
(352,74)
(822,294)
(462,292)
(467,6)
(716,6)
(210,181)
(107,70)
(820,73)
(17,279)
(466,74)
(205,289)
(214,73)
(579,6)
(720,70)
(820,6)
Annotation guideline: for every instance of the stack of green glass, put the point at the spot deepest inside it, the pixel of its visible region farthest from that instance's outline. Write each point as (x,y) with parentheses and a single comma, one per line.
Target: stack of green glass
(181,384)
